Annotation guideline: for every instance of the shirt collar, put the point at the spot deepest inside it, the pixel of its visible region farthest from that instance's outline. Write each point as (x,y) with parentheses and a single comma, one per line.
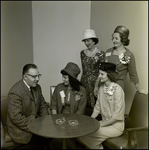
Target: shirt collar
(26,84)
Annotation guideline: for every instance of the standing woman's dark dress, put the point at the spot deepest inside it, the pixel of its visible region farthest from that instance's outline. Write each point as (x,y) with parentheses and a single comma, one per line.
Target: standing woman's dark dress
(90,59)
(90,72)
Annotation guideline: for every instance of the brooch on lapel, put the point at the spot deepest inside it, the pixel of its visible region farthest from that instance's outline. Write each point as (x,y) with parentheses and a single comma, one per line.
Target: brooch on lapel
(124,59)
(78,95)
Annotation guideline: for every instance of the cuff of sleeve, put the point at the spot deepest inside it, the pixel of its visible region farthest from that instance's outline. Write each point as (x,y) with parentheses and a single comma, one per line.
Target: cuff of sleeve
(94,114)
(136,85)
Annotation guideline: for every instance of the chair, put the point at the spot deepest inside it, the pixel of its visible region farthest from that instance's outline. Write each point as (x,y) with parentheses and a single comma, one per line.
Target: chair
(135,135)
(8,142)
(52,88)
(49,103)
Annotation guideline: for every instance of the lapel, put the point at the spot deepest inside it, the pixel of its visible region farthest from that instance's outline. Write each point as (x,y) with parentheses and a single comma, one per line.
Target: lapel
(27,91)
(72,101)
(114,59)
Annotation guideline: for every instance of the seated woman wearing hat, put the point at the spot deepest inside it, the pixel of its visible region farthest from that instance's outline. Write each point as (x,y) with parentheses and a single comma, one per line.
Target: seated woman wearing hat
(111,105)
(69,97)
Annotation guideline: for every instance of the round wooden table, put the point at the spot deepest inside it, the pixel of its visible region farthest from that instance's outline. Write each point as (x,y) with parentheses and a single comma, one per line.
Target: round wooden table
(63,126)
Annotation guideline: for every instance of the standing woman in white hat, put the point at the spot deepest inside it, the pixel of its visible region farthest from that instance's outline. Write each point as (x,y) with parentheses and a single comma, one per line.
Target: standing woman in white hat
(90,59)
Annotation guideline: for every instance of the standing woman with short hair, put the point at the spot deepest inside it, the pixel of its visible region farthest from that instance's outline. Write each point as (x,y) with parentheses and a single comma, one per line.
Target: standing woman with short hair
(122,57)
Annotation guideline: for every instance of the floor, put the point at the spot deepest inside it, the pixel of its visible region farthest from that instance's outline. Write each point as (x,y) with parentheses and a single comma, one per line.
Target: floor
(57,144)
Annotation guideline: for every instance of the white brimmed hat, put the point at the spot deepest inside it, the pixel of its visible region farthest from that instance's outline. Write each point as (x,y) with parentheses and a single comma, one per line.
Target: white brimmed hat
(89,33)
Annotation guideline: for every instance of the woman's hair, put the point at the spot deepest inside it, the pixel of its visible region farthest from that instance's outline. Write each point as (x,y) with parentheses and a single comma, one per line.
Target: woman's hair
(95,40)
(74,83)
(112,75)
(124,40)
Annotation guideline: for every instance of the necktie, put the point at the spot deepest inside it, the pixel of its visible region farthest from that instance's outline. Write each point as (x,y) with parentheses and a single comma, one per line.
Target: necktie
(31,90)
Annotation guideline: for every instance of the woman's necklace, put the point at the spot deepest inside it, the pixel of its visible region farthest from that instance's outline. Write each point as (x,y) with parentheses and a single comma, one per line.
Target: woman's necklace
(91,53)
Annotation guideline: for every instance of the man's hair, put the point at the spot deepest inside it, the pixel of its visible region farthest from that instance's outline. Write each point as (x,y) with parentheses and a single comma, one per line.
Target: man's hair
(27,67)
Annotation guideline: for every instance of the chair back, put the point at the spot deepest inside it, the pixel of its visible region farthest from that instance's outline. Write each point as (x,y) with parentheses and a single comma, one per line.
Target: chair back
(8,142)
(138,115)
(4,104)
(52,88)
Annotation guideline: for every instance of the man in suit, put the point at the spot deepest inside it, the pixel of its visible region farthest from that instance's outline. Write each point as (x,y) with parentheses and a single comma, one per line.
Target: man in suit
(26,102)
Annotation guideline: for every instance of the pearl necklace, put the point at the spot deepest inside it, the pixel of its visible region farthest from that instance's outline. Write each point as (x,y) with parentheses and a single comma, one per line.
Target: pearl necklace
(91,53)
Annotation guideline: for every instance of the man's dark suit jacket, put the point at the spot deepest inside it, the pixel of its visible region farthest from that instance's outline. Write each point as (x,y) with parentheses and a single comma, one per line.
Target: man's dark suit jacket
(23,107)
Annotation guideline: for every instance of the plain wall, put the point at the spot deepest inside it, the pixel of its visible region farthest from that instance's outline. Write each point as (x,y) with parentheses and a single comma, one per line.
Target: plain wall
(16,41)
(57,33)
(50,33)
(105,16)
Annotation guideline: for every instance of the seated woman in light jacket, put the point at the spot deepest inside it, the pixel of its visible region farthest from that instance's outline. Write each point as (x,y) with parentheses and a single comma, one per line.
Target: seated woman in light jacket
(111,105)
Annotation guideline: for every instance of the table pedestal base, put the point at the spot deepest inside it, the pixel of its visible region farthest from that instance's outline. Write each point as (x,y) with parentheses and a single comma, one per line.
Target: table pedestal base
(64,144)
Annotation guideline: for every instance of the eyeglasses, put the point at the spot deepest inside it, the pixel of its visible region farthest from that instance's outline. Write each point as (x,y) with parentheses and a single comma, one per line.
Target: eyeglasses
(35,76)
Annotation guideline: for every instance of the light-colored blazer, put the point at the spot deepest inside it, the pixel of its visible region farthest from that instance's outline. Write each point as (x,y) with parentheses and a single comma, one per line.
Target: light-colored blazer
(23,107)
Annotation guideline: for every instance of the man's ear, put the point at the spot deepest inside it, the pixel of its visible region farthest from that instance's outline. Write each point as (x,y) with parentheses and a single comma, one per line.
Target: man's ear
(24,76)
